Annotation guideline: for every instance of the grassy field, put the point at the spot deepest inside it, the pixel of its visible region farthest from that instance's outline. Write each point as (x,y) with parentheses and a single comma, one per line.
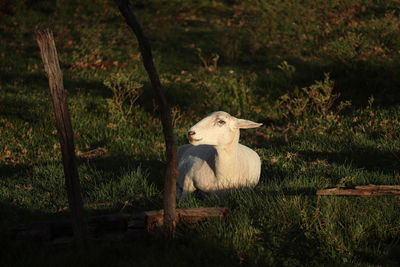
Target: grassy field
(323,77)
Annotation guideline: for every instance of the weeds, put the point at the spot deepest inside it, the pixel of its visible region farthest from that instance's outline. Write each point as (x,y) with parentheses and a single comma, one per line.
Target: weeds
(227,92)
(311,108)
(176,116)
(208,64)
(125,93)
(288,69)
(376,126)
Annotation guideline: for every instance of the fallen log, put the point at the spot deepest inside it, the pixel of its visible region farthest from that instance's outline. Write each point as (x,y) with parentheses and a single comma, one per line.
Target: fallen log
(363,191)
(117,226)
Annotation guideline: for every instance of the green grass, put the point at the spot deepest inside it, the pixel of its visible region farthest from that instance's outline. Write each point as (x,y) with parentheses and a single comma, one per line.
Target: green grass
(322,76)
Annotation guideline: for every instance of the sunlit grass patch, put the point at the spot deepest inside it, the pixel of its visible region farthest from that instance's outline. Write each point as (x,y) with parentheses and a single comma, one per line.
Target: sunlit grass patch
(322,77)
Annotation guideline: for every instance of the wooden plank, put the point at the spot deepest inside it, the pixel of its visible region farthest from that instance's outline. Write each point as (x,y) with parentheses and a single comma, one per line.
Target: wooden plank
(154,219)
(378,187)
(113,226)
(363,191)
(52,68)
(195,215)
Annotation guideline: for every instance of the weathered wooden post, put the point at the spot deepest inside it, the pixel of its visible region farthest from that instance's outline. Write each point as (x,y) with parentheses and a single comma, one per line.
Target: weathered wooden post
(49,56)
(172,172)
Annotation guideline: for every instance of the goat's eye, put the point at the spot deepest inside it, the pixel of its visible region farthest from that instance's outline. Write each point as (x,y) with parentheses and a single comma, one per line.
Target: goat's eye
(221,122)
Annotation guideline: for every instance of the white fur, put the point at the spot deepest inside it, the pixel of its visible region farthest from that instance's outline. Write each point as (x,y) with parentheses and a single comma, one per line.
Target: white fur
(214,161)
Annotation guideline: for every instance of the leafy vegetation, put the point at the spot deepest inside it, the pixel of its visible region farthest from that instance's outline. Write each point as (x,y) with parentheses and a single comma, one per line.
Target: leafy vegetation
(322,76)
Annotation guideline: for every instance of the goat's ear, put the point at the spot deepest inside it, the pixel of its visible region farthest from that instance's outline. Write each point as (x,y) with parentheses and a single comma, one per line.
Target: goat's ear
(246,124)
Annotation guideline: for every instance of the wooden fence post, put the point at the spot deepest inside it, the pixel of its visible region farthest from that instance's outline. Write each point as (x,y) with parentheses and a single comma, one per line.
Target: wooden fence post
(172,172)
(49,56)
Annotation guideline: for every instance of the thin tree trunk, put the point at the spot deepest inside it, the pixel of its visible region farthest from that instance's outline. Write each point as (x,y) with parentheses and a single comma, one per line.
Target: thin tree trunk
(172,172)
(49,56)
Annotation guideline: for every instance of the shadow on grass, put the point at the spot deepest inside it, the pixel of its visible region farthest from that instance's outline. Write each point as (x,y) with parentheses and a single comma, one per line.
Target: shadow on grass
(371,160)
(9,171)
(38,82)
(354,80)
(293,246)
(183,251)
(120,165)
(142,251)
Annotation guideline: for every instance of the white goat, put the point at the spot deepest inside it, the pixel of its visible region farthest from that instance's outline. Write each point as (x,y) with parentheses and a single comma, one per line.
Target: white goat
(214,161)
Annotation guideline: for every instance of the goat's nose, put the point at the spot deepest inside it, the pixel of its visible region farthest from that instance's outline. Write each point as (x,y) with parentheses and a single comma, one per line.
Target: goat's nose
(190,133)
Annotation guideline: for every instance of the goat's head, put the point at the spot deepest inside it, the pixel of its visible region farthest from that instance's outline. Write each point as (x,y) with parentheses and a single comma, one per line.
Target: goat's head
(218,129)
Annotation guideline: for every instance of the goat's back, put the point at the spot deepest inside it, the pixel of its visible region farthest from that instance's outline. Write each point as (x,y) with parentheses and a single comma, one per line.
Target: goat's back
(250,165)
